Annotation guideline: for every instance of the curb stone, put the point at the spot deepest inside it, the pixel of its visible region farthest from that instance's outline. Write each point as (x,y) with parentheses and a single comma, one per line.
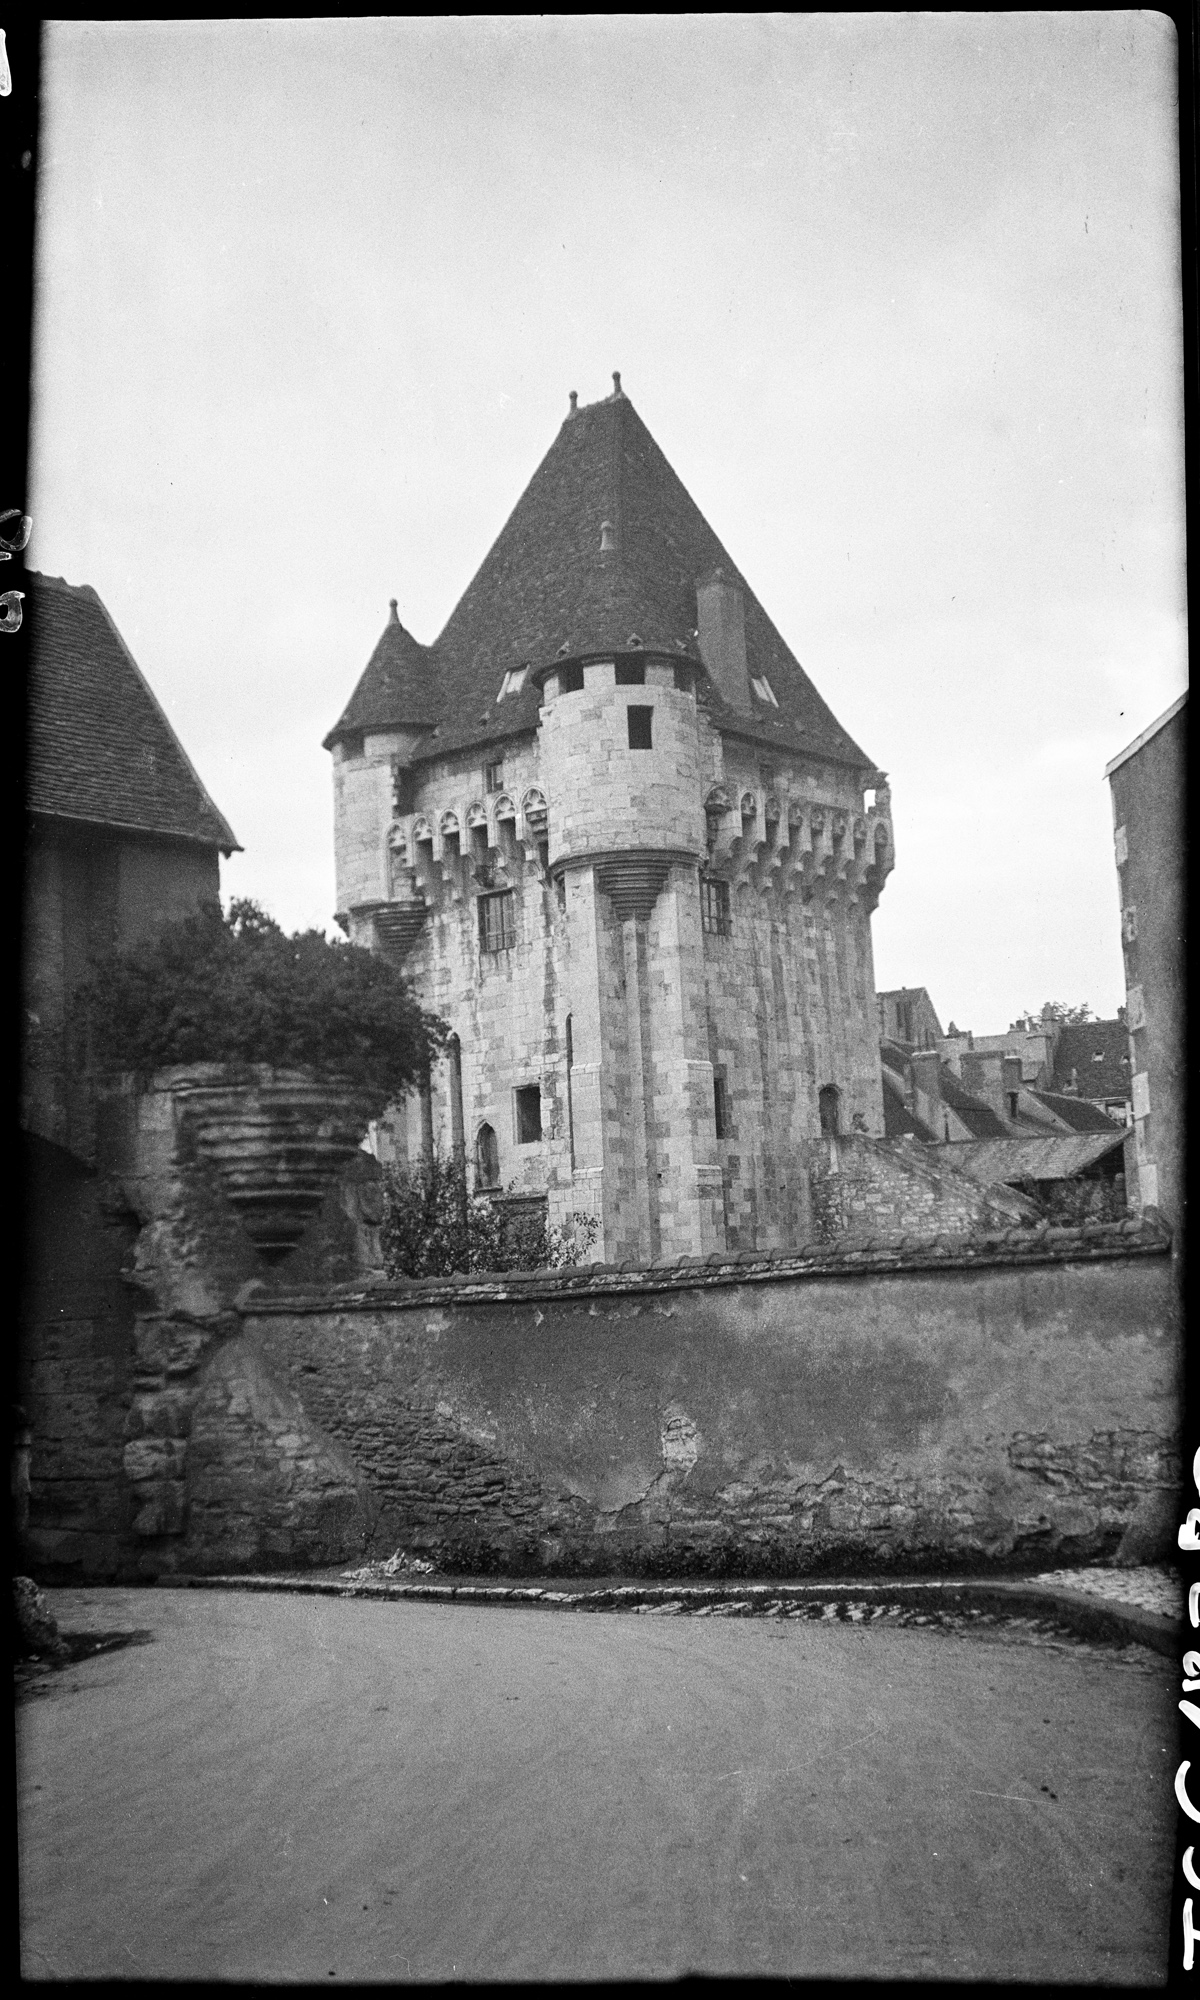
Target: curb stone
(1088,1615)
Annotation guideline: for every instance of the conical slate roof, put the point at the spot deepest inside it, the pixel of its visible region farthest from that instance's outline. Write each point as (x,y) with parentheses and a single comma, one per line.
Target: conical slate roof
(399,687)
(101,751)
(548,590)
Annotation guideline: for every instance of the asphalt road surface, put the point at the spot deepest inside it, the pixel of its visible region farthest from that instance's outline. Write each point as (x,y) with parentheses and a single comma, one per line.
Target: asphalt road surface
(292,1788)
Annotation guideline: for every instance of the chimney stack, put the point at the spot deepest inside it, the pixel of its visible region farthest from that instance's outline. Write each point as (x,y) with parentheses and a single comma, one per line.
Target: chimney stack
(721,634)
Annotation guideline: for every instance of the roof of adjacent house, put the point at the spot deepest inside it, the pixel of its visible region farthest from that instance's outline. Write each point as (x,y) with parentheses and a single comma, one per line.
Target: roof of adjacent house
(1076,1111)
(1098,1051)
(1048,1159)
(546,591)
(977,1116)
(1131,749)
(100,749)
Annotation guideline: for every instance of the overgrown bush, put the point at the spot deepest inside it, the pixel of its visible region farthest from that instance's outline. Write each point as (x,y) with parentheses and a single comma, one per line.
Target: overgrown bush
(236,989)
(433,1227)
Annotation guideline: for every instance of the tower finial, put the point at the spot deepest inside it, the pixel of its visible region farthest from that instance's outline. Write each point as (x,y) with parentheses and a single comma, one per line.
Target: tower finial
(617,389)
(574,409)
(395,615)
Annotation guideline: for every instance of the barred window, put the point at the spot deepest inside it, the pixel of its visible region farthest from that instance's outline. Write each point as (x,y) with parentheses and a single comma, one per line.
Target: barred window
(714,906)
(498,921)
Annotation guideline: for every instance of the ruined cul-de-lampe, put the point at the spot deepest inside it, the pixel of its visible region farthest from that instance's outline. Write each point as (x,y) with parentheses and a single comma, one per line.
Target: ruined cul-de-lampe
(625,850)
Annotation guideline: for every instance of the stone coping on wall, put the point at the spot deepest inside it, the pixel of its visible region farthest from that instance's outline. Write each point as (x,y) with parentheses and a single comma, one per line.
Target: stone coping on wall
(1091,1242)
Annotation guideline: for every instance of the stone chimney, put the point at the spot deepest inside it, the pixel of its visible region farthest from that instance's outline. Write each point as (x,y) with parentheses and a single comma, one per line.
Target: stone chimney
(721,633)
(1013,1084)
(926,1066)
(983,1075)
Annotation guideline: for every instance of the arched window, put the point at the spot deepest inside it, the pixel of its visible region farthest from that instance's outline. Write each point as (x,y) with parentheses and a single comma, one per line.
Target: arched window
(828,1104)
(487,1158)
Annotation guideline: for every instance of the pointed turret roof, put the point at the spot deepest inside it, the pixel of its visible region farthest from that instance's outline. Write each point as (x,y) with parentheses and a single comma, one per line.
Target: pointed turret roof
(101,751)
(604,546)
(398,689)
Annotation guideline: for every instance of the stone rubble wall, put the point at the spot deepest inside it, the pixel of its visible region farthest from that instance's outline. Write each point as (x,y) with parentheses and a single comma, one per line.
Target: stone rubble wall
(893,1187)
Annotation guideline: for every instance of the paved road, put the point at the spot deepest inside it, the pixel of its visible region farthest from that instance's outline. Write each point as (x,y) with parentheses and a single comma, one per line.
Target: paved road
(296,1788)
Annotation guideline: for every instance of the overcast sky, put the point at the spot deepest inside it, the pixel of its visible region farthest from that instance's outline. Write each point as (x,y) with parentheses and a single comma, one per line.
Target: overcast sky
(897,295)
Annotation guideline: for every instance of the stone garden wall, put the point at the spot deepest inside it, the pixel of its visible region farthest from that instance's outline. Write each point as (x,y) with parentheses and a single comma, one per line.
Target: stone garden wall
(968,1400)
(952,1405)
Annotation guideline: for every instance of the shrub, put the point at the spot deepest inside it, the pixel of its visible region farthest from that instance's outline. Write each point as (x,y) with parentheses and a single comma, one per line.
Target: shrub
(238,990)
(432,1227)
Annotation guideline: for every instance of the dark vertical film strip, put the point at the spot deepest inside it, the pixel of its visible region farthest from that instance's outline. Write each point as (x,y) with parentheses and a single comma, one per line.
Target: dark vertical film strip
(1184,1951)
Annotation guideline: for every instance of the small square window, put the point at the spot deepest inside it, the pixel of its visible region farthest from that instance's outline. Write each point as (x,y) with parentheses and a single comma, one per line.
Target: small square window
(570,679)
(493,777)
(639,728)
(720,1104)
(763,689)
(513,682)
(529,1113)
(498,921)
(714,907)
(631,674)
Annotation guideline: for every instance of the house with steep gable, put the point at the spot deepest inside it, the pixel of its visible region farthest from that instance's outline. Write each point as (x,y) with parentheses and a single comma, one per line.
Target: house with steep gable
(626,850)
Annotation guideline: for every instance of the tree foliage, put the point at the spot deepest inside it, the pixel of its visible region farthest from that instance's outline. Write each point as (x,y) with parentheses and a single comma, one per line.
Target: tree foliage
(1057,1010)
(236,989)
(432,1227)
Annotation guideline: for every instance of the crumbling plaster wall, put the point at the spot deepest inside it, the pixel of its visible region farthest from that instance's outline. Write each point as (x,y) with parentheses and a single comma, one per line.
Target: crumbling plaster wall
(859,1410)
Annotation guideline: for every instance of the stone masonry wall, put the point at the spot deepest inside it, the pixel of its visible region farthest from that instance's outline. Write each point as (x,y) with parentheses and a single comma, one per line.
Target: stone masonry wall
(897,1187)
(1001,1401)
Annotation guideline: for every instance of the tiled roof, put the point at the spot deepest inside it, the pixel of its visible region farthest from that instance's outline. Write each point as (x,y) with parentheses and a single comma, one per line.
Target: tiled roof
(977,1116)
(100,748)
(1076,1111)
(1041,1159)
(1078,1048)
(399,681)
(545,592)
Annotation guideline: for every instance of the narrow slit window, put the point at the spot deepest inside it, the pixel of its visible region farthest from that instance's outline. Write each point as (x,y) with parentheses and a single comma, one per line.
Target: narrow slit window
(640,728)
(487,1158)
(493,777)
(720,1103)
(529,1113)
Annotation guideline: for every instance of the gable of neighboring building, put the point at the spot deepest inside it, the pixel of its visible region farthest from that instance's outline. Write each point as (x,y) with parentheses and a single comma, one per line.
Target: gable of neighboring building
(100,749)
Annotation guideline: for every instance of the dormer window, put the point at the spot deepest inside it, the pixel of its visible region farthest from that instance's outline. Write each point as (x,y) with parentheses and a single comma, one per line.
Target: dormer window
(763,689)
(513,682)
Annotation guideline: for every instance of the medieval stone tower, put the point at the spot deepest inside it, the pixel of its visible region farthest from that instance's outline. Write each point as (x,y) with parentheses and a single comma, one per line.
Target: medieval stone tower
(624,849)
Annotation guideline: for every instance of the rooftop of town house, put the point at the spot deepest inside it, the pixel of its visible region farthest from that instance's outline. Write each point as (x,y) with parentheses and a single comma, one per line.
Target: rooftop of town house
(100,749)
(1098,1052)
(601,555)
(977,1116)
(1076,1112)
(1048,1158)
